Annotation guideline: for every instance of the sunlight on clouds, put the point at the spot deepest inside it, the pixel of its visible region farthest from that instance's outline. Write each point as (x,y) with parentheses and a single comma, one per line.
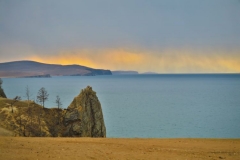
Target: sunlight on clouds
(123,56)
(165,61)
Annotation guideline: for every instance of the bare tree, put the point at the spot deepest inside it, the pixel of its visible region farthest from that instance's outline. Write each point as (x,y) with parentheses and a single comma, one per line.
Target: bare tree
(58,102)
(28,95)
(42,96)
(16,99)
(59,111)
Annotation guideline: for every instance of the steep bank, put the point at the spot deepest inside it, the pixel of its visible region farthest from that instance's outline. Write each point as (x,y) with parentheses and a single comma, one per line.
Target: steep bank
(29,119)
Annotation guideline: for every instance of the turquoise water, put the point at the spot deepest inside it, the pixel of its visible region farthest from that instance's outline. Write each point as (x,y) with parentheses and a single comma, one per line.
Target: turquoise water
(162,106)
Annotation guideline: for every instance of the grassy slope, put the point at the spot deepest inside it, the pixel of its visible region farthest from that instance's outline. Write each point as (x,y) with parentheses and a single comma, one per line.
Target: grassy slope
(6,117)
(29,119)
(4,132)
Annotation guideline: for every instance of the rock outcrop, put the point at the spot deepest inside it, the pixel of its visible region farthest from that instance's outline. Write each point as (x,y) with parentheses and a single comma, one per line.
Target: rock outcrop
(84,116)
(2,94)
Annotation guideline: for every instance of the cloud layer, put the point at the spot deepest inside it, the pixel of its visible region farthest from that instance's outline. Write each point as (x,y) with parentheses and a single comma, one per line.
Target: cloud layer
(161,36)
(161,61)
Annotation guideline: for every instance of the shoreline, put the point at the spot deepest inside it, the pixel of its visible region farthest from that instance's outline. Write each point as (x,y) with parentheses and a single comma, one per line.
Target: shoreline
(118,148)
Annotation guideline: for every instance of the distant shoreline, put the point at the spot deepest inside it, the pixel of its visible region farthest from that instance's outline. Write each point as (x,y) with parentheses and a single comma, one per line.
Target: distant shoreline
(139,74)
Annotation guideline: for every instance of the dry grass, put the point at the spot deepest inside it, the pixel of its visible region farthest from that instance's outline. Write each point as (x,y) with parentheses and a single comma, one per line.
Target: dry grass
(29,119)
(5,132)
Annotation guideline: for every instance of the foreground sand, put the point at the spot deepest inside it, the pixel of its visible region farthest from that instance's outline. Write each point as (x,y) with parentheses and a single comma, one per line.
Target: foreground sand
(109,148)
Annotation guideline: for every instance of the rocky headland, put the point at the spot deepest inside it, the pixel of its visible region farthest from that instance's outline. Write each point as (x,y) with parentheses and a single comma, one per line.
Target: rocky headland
(2,93)
(34,69)
(82,118)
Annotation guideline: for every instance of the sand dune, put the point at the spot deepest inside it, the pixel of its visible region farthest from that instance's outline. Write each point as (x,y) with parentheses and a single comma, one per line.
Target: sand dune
(111,148)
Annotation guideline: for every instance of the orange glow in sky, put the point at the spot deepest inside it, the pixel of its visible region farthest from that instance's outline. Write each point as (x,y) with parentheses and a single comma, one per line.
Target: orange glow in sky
(166,61)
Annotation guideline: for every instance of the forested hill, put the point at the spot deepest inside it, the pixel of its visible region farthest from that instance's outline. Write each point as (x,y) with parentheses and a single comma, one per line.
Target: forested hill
(31,68)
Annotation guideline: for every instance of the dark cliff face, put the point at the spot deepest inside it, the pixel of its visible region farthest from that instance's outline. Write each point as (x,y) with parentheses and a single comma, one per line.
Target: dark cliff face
(101,72)
(2,94)
(84,117)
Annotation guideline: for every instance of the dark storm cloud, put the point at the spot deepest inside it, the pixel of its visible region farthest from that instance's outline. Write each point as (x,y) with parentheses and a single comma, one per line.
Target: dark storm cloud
(165,36)
(92,24)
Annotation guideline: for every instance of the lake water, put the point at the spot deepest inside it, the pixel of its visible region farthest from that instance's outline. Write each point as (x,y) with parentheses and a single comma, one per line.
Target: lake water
(162,106)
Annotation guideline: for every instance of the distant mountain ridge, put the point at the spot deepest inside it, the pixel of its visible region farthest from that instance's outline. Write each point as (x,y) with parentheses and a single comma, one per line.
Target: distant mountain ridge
(32,68)
(124,72)
(150,73)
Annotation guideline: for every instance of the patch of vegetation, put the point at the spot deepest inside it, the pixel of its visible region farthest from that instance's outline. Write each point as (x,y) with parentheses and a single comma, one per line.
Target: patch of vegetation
(27,118)
(30,119)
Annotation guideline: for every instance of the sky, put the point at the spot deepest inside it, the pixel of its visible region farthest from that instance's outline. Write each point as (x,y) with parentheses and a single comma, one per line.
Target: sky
(163,36)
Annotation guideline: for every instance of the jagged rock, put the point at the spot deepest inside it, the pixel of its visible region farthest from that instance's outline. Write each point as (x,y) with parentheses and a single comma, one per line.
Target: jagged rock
(2,94)
(84,116)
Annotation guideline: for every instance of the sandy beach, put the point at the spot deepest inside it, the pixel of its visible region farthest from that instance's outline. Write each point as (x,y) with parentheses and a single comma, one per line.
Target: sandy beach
(117,148)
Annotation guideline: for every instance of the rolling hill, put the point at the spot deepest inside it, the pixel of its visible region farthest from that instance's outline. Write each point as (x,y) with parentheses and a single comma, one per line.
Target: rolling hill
(32,68)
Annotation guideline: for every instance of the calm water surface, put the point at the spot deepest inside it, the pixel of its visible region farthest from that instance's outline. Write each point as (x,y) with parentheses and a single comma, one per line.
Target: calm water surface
(151,105)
